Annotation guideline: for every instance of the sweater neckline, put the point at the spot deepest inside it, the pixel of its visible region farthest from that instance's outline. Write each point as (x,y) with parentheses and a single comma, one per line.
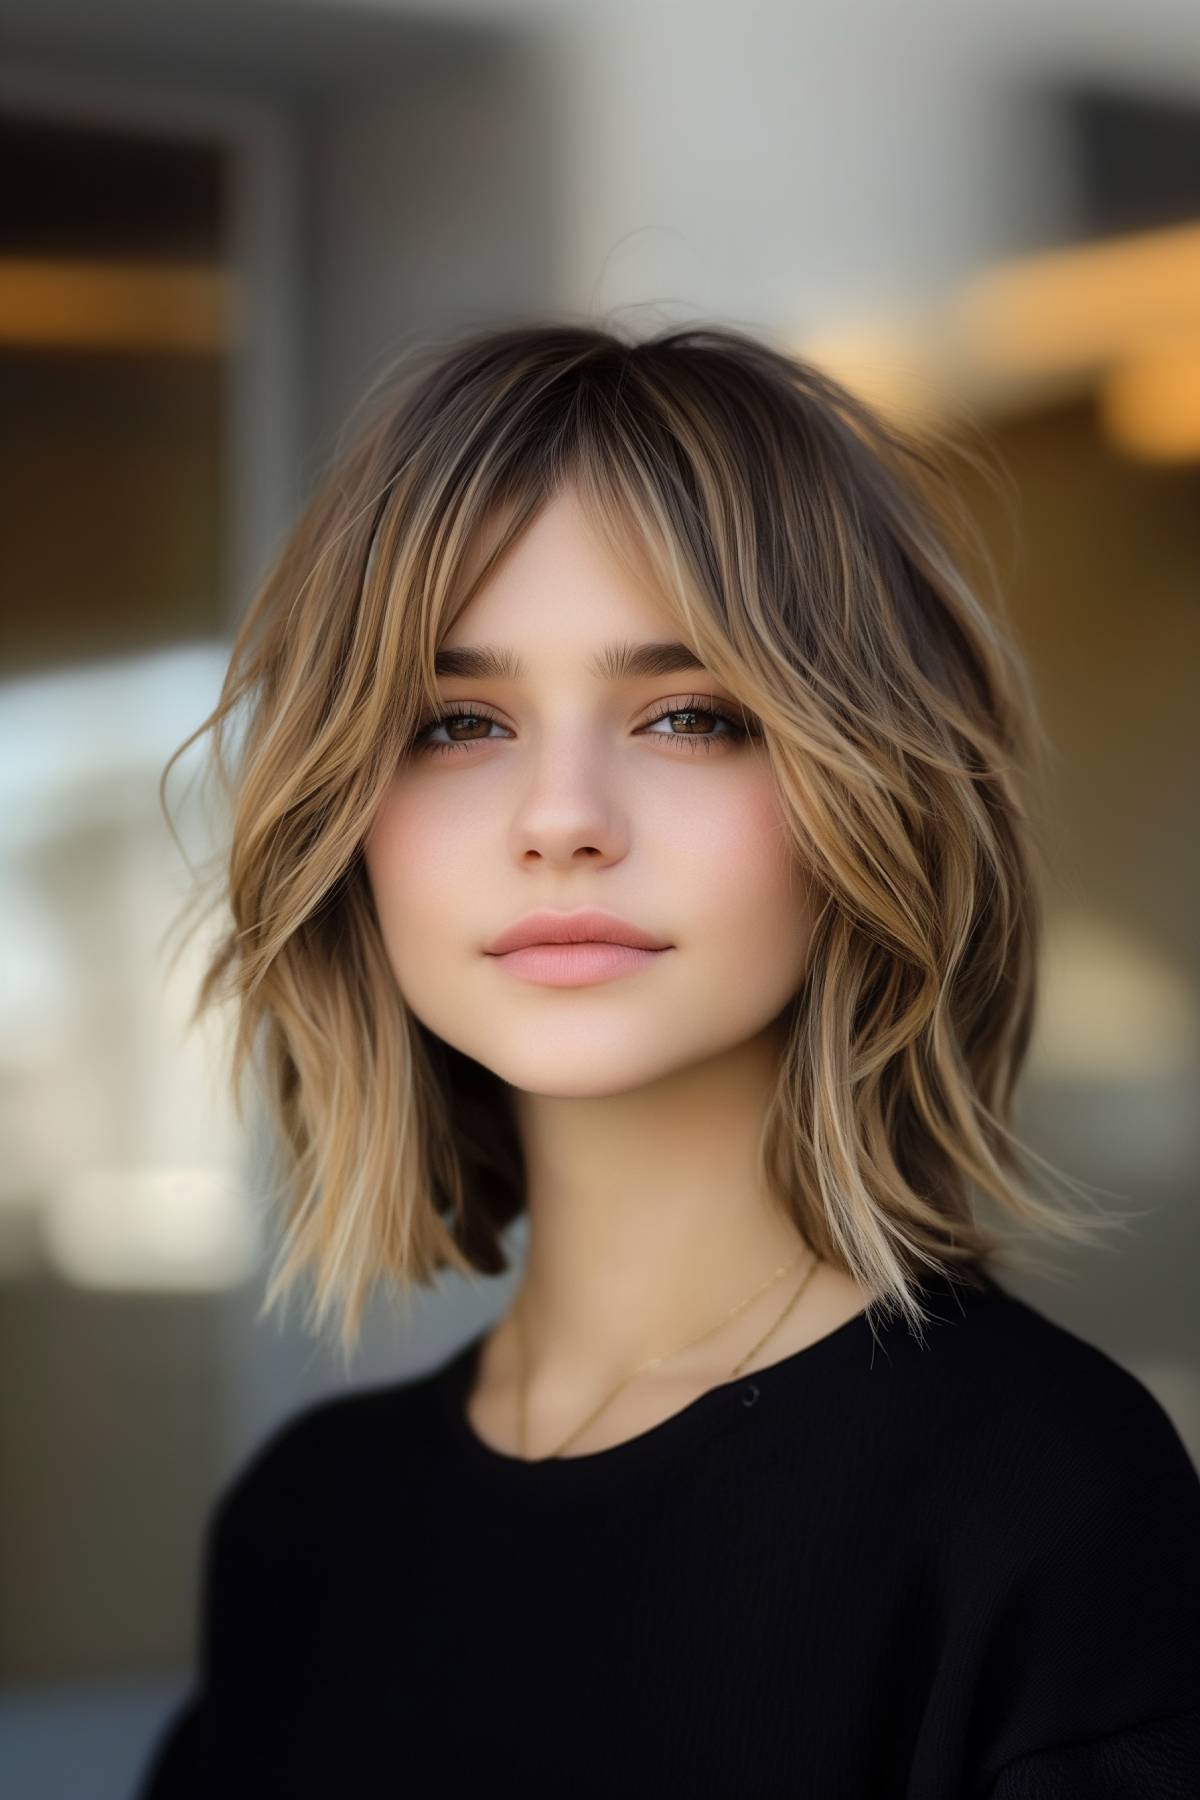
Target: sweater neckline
(735,1402)
(717,1408)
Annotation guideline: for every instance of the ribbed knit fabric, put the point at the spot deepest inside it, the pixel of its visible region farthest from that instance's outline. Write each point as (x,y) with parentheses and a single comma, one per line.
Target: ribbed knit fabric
(873,1570)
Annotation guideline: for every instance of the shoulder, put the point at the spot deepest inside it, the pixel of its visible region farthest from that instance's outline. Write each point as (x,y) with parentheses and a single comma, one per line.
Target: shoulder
(1047,1446)
(1003,1359)
(321,1459)
(302,1519)
(1069,1523)
(1066,1377)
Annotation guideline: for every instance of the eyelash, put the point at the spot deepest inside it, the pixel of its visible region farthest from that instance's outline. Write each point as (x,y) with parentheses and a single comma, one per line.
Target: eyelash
(701,703)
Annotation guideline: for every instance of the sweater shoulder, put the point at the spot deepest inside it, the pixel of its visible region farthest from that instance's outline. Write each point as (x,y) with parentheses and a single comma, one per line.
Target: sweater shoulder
(1065,1513)
(314,1460)
(1038,1372)
(1037,1423)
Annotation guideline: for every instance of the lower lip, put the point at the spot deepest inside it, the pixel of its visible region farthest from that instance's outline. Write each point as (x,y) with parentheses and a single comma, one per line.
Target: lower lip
(575,965)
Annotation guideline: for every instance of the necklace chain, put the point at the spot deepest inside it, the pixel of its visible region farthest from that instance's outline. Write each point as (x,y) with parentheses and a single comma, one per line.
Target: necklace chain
(653,1361)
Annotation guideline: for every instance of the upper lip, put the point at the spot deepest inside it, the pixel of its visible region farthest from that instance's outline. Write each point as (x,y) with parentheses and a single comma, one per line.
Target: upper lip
(588,927)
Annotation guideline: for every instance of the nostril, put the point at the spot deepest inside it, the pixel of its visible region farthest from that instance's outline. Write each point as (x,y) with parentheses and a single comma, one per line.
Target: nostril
(749,1394)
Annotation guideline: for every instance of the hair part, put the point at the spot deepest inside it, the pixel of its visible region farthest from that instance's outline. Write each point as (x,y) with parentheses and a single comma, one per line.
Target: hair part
(809,550)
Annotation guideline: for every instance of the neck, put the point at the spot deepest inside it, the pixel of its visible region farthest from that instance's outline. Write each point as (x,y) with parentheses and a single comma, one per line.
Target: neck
(646,1222)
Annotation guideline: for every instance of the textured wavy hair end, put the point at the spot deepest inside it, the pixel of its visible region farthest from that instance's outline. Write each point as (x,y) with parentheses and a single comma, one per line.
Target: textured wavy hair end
(816,555)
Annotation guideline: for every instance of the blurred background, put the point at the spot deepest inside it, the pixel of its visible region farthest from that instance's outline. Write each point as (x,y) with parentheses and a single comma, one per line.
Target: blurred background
(218,222)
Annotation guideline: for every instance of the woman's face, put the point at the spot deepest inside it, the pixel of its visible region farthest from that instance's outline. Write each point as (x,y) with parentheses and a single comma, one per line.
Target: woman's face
(569,791)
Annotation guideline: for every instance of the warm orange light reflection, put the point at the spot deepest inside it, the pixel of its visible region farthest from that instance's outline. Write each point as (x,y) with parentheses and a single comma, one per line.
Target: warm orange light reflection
(887,364)
(1078,308)
(128,306)
(1149,406)
(1118,318)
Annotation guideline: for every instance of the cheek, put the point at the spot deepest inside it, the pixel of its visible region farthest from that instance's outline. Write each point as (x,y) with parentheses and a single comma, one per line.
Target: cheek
(741,858)
(755,920)
(415,855)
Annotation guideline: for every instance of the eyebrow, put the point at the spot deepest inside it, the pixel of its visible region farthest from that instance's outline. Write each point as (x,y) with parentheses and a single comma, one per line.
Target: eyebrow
(615,662)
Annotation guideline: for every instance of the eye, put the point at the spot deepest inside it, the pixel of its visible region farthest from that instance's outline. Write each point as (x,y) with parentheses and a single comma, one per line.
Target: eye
(475,715)
(694,706)
(702,707)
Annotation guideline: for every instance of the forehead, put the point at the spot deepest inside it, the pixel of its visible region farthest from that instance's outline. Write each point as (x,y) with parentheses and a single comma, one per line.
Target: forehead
(559,582)
(618,660)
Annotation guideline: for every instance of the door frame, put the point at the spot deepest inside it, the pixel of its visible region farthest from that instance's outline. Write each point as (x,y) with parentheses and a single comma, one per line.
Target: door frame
(265,418)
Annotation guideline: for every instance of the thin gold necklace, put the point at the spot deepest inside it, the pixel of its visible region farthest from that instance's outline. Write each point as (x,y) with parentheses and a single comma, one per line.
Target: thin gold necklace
(652,1361)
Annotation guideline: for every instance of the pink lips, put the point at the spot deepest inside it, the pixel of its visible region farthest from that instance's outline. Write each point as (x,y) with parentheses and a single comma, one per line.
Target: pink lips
(575,965)
(574,949)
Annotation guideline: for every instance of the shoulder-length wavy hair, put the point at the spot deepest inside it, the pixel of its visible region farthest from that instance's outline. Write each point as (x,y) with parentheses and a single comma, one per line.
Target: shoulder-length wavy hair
(805,547)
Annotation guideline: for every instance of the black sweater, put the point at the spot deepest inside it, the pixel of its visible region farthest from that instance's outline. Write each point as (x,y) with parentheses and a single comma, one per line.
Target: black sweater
(868,1570)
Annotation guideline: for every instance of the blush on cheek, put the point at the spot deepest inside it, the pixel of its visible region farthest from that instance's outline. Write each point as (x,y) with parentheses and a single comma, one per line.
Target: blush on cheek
(395,831)
(385,864)
(754,833)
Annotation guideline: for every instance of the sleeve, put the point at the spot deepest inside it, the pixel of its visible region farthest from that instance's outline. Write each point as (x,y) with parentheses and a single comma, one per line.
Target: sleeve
(172,1772)
(1159,1759)
(237,1605)
(177,1768)
(1090,1685)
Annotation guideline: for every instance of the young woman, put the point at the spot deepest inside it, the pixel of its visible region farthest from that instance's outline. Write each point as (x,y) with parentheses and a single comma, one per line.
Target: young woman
(629,837)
